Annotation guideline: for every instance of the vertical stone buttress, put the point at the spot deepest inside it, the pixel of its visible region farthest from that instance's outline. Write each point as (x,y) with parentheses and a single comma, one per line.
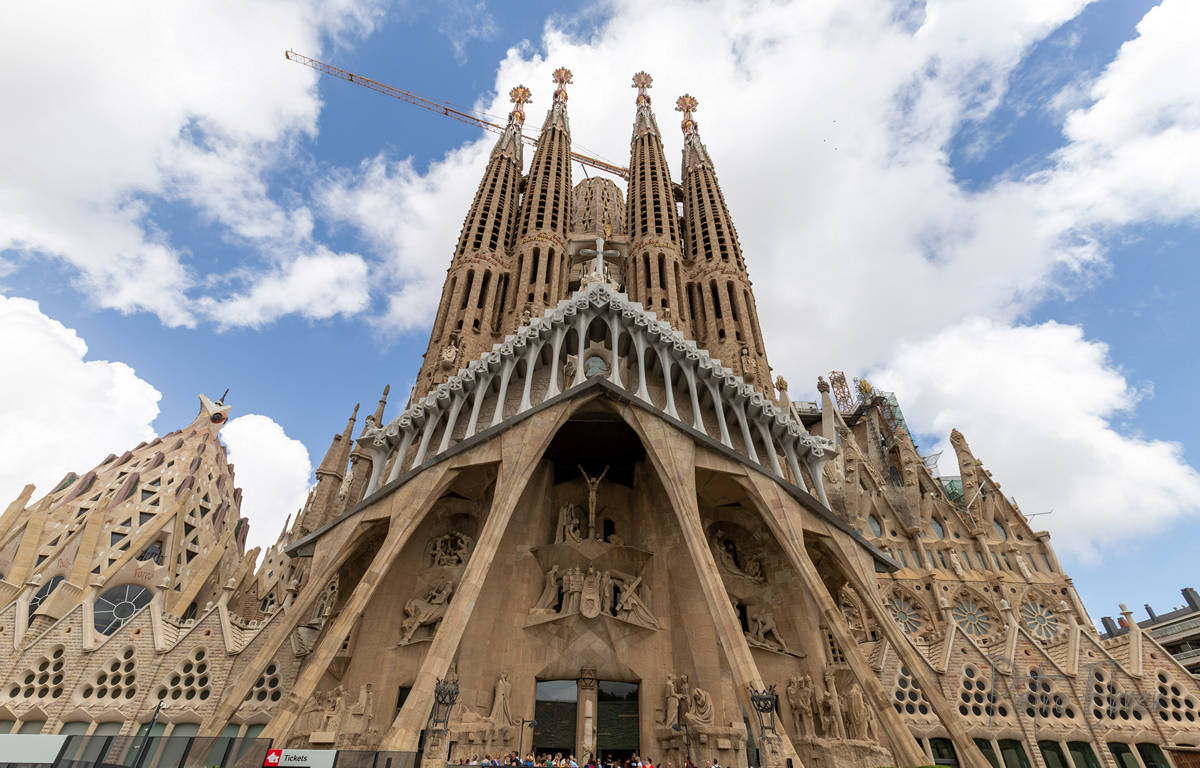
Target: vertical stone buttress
(471,314)
(540,257)
(655,273)
(720,298)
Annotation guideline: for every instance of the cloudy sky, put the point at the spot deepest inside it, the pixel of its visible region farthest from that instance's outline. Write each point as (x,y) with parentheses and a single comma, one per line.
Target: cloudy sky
(992,209)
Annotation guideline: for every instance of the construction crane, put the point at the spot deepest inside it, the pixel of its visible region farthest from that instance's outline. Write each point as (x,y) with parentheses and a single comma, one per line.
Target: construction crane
(439,107)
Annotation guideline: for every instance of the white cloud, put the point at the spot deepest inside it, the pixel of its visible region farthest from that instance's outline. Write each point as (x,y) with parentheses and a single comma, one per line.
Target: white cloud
(316,286)
(273,472)
(120,109)
(1038,405)
(59,411)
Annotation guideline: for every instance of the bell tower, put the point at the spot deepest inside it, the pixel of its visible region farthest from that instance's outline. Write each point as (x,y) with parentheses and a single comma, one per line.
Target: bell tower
(655,274)
(470,317)
(541,253)
(725,318)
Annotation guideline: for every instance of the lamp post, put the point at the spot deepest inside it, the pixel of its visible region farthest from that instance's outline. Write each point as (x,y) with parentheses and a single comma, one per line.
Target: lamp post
(687,744)
(521,737)
(764,706)
(445,694)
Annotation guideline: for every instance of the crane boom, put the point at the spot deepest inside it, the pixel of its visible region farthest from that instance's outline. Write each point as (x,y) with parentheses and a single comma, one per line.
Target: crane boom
(440,108)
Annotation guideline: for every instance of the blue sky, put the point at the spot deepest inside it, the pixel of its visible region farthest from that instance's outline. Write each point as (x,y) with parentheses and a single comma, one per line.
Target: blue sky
(991,211)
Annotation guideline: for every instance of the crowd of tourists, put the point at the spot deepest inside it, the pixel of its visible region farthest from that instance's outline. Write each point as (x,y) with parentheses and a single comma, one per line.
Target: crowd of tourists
(513,760)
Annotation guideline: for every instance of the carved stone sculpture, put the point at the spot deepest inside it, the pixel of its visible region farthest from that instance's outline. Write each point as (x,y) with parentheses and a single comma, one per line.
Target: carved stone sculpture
(420,611)
(453,549)
(763,631)
(800,699)
(676,699)
(549,597)
(629,605)
(593,486)
(572,590)
(701,711)
(857,721)
(570,528)
(501,714)
(831,711)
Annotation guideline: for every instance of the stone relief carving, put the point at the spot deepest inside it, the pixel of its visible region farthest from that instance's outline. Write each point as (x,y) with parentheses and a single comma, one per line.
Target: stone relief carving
(421,612)
(450,550)
(676,699)
(330,718)
(800,699)
(587,573)
(859,722)
(570,527)
(731,561)
(832,726)
(700,709)
(763,631)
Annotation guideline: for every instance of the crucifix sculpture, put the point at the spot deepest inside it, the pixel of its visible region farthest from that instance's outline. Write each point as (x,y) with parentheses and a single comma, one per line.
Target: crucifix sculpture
(593,484)
(599,268)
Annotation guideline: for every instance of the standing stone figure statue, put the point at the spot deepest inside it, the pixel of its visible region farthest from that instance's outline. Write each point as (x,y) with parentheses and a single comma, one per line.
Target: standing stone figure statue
(831,711)
(593,485)
(676,701)
(572,590)
(856,713)
(501,715)
(800,699)
(549,596)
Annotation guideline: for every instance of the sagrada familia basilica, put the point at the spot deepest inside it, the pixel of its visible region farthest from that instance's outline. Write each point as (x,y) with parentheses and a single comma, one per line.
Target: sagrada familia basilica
(598,527)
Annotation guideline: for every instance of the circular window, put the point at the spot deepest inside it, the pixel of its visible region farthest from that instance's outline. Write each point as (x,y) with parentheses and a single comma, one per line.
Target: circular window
(971,617)
(1040,620)
(118,605)
(876,528)
(1003,534)
(938,530)
(43,592)
(906,614)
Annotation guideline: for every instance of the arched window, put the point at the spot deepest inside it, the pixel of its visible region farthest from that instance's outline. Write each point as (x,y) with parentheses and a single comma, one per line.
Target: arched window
(118,605)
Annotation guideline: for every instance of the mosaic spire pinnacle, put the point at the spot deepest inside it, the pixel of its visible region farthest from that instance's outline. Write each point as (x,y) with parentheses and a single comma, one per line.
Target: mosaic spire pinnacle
(642,81)
(687,104)
(561,77)
(519,96)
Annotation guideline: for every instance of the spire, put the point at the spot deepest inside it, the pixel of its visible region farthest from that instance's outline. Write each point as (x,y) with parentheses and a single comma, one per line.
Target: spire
(338,454)
(643,121)
(557,116)
(654,274)
(476,292)
(694,152)
(726,319)
(511,141)
(540,256)
(377,417)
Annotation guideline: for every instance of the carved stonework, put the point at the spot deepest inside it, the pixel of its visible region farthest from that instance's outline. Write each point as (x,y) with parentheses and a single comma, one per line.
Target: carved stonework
(800,698)
(332,720)
(422,614)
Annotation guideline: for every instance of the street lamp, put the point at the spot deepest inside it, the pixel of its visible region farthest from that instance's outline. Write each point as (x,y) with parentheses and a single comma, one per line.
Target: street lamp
(445,694)
(521,737)
(764,706)
(687,744)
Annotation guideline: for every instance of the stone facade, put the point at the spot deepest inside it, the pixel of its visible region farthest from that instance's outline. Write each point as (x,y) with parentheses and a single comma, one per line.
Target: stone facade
(597,512)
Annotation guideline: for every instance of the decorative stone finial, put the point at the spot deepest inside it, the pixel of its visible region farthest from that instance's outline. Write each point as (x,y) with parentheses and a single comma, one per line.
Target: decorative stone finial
(822,385)
(561,77)
(642,81)
(687,104)
(520,96)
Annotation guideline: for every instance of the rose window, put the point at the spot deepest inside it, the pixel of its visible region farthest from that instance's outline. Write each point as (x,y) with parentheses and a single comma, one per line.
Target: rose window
(971,617)
(1040,621)
(905,614)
